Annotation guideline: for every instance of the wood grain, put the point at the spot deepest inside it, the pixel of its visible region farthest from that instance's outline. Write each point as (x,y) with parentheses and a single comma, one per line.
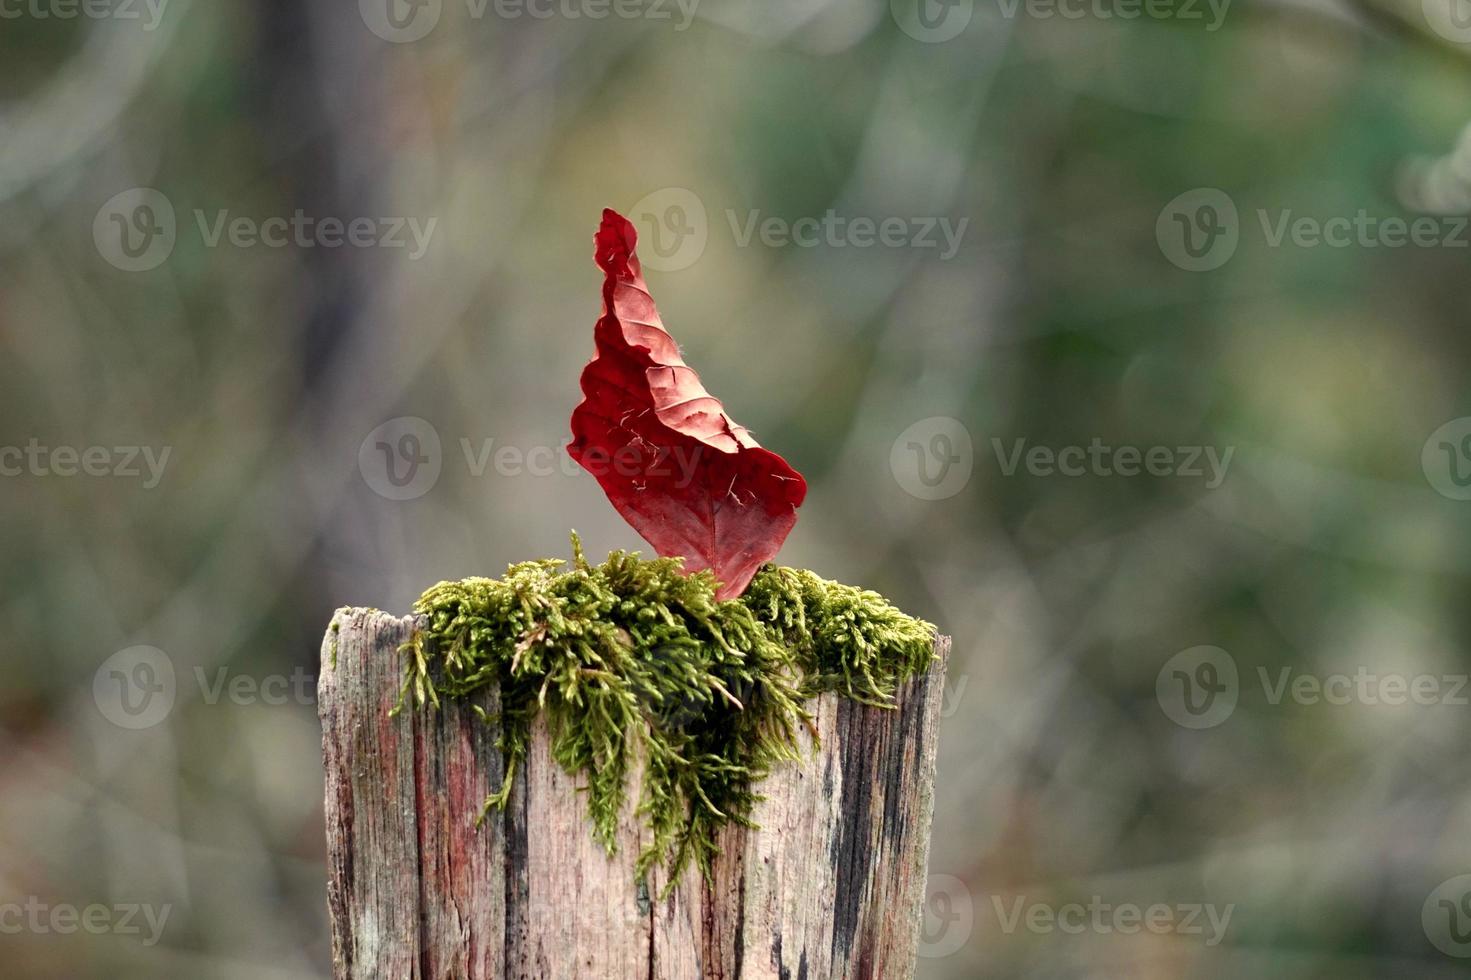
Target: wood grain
(831,885)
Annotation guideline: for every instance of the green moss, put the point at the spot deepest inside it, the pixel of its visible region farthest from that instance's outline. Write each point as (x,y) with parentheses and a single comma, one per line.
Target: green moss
(633,657)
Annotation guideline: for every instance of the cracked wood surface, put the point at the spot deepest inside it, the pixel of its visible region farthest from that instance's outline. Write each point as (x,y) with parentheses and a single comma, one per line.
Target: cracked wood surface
(831,885)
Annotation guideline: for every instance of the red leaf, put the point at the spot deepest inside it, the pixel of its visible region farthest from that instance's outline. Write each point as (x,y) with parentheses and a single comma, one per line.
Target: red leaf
(690,480)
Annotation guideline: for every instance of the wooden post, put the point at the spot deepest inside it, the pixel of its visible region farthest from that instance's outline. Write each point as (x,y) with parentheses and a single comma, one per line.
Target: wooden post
(831,885)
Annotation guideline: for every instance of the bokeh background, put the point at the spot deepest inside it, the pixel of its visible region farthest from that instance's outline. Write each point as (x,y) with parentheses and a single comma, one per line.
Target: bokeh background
(1129,186)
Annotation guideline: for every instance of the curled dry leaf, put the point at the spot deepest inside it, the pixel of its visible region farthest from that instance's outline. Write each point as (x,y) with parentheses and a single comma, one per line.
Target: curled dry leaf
(680,470)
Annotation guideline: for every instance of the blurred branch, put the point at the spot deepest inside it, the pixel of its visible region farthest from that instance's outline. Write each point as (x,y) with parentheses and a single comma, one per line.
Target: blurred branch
(81,106)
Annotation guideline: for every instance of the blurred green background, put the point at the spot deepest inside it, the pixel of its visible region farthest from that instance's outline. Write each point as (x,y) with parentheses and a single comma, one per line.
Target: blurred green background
(1133,268)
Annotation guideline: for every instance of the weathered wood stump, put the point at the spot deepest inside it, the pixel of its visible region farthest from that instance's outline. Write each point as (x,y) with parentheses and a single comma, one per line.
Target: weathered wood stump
(831,885)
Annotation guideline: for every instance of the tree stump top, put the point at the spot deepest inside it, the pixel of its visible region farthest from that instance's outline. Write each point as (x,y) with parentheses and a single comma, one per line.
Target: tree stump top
(830,884)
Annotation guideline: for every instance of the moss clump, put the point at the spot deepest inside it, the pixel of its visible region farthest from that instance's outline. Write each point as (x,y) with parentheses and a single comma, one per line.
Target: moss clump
(635,657)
